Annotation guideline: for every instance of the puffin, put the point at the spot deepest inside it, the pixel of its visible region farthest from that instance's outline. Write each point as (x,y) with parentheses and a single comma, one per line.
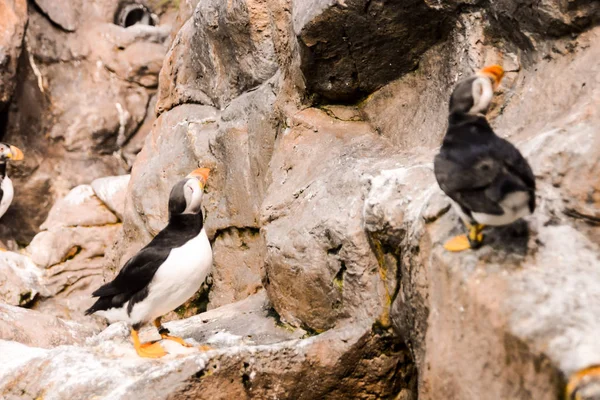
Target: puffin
(7,153)
(164,274)
(486,177)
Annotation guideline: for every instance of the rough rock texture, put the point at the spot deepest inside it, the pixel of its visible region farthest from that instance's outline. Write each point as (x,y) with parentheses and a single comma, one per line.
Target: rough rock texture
(251,352)
(82,93)
(223,50)
(319,265)
(238,266)
(36,329)
(333,208)
(351,48)
(13,14)
(527,297)
(70,250)
(20,280)
(236,144)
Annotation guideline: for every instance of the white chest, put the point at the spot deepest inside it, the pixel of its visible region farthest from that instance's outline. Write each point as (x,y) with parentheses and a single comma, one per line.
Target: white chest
(177,279)
(7,195)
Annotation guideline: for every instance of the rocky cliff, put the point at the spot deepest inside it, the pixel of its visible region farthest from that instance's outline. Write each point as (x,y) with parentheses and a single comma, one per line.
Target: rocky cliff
(319,120)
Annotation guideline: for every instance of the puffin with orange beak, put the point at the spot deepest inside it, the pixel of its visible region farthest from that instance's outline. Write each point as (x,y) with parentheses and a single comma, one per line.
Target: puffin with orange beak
(164,274)
(487,178)
(7,153)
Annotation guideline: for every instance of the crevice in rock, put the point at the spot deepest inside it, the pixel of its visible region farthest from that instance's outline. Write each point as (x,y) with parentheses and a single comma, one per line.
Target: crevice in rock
(252,230)
(590,219)
(131,13)
(338,280)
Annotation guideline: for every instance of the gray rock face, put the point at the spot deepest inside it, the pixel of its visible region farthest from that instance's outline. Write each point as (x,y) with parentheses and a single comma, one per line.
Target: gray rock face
(238,267)
(70,250)
(319,266)
(20,280)
(24,332)
(223,50)
(513,299)
(250,353)
(81,207)
(351,48)
(83,91)
(111,190)
(13,14)
(333,208)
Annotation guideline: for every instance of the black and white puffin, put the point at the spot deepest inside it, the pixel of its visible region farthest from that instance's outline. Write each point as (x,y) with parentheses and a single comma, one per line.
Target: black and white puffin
(7,153)
(164,274)
(487,178)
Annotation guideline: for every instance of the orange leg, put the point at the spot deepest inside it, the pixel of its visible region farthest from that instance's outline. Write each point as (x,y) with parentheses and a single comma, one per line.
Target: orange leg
(463,242)
(147,350)
(164,333)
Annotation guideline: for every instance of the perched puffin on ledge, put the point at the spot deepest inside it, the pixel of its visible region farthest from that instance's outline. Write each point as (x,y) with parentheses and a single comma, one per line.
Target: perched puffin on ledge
(12,153)
(487,178)
(165,273)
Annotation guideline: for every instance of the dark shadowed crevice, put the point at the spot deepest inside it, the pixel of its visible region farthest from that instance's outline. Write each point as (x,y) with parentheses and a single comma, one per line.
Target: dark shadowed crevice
(130,14)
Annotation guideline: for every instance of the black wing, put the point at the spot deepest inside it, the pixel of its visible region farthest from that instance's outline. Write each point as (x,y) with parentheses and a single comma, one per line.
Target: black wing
(466,180)
(136,274)
(478,176)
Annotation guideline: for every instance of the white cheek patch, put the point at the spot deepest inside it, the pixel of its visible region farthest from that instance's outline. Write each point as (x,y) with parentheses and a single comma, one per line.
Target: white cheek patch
(482,95)
(193,197)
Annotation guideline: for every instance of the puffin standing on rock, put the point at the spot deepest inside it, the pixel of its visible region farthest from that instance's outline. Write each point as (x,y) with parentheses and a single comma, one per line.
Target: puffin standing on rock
(487,178)
(164,274)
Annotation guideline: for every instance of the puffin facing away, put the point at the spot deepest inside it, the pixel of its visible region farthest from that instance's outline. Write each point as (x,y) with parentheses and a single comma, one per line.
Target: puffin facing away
(164,274)
(487,178)
(7,153)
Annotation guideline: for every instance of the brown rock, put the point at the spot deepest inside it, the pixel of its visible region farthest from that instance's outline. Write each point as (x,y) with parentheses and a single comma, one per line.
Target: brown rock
(52,248)
(64,14)
(351,48)
(238,267)
(112,191)
(81,207)
(519,298)
(36,329)
(253,357)
(222,51)
(13,14)
(87,92)
(319,264)
(21,280)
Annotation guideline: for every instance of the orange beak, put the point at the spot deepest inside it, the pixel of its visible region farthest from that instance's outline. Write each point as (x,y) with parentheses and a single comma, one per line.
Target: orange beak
(201,173)
(495,72)
(16,153)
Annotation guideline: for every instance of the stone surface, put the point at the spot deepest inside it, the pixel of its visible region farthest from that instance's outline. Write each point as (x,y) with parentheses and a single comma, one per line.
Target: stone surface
(20,328)
(112,191)
(13,14)
(223,50)
(81,207)
(332,207)
(351,48)
(83,91)
(319,264)
(64,14)
(238,267)
(251,353)
(527,296)
(20,280)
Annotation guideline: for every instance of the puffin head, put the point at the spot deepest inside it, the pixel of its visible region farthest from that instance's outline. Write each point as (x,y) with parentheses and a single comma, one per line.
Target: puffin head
(8,152)
(474,94)
(186,195)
